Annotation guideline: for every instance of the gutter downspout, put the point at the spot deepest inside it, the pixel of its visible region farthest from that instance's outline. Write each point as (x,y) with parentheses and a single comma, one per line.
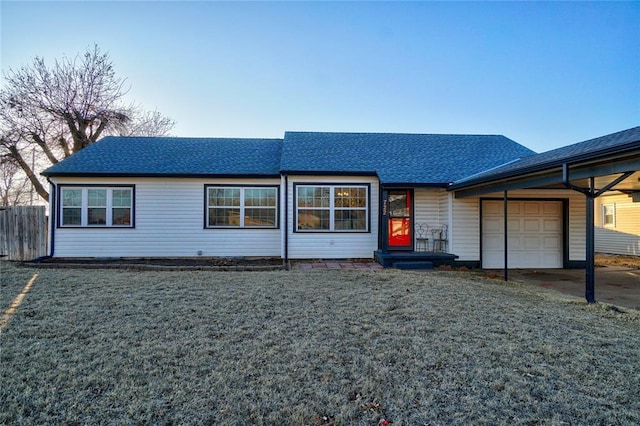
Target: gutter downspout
(52,216)
(286,221)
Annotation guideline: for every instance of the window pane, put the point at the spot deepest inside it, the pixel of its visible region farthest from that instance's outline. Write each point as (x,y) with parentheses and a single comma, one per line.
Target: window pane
(350,197)
(310,196)
(224,217)
(71,216)
(260,217)
(97,197)
(260,197)
(313,219)
(224,197)
(398,204)
(351,220)
(97,216)
(121,198)
(122,216)
(72,197)
(608,211)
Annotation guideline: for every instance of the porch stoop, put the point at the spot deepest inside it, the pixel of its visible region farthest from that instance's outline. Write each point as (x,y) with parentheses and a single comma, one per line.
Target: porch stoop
(413,259)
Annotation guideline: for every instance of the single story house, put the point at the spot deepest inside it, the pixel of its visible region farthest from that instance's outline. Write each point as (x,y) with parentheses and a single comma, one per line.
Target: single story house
(617,221)
(334,196)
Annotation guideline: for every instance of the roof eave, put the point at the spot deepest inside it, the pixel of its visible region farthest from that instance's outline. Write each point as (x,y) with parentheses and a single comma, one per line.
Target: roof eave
(554,175)
(548,166)
(328,173)
(162,175)
(414,184)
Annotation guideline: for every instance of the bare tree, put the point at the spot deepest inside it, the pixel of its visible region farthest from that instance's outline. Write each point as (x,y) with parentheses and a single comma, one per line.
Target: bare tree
(147,123)
(60,109)
(15,189)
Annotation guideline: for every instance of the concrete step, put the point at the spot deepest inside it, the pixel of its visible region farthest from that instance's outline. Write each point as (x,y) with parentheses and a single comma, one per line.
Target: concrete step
(413,265)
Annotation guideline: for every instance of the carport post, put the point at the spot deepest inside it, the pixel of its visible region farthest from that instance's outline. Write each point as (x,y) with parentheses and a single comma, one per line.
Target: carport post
(590,255)
(506,239)
(590,195)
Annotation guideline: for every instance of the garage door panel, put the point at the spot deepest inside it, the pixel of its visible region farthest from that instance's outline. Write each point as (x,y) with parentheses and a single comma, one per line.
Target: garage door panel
(551,243)
(515,242)
(515,225)
(531,243)
(552,209)
(535,234)
(531,208)
(551,225)
(494,243)
(551,259)
(492,225)
(492,208)
(531,225)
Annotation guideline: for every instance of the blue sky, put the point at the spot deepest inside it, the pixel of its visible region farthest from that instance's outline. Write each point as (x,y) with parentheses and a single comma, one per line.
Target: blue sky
(545,74)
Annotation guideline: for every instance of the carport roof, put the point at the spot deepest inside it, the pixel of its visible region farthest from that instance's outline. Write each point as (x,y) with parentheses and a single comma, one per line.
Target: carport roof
(606,155)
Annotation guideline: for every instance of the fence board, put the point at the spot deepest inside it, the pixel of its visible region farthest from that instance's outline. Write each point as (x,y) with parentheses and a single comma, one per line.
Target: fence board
(23,232)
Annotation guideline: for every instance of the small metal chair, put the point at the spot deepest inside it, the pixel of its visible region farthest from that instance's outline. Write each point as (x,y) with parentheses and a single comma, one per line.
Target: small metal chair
(439,238)
(422,242)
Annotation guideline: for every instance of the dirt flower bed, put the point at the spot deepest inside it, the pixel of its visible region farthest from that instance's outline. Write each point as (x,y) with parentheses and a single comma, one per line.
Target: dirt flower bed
(617,260)
(176,263)
(310,348)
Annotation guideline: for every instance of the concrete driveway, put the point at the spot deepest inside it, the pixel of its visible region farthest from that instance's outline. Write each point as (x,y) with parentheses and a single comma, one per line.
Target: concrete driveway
(614,284)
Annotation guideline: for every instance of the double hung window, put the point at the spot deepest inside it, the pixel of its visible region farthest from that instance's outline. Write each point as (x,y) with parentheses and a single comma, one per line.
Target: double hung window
(609,215)
(96,206)
(332,208)
(241,207)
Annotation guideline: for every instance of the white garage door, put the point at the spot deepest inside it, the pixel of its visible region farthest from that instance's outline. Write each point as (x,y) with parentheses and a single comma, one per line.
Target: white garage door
(534,230)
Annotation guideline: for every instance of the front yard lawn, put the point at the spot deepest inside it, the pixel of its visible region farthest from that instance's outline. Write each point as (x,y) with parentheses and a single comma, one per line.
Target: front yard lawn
(309,348)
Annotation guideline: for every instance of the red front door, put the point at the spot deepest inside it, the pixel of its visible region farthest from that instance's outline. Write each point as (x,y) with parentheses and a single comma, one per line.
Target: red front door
(400,222)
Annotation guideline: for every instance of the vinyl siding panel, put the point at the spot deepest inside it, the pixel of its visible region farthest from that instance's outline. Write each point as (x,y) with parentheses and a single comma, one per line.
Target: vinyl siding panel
(623,237)
(465,232)
(333,245)
(169,222)
(464,238)
(430,209)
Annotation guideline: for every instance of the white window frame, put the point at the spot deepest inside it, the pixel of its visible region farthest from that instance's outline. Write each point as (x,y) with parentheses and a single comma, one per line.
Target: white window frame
(332,207)
(242,207)
(84,206)
(606,206)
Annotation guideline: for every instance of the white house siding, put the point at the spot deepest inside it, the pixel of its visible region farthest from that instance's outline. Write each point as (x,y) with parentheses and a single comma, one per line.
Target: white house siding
(169,222)
(430,208)
(623,237)
(465,235)
(333,245)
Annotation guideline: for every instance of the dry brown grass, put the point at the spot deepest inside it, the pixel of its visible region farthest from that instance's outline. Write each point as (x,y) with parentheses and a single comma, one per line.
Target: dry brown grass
(314,347)
(617,260)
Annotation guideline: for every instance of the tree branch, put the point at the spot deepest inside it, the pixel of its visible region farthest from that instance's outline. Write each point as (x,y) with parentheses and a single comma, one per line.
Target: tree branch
(45,148)
(15,154)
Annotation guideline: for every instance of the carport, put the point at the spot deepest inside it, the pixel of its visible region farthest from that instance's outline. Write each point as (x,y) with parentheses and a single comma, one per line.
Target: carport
(592,168)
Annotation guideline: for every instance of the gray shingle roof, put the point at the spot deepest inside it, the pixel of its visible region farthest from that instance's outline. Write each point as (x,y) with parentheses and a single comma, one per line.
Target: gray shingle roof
(170,156)
(394,158)
(591,148)
(398,158)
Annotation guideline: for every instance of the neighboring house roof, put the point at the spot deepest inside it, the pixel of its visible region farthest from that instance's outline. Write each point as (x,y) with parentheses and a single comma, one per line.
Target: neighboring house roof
(618,142)
(170,156)
(398,158)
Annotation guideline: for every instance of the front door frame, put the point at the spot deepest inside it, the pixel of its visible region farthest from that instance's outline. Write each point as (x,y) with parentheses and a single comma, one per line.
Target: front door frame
(384,220)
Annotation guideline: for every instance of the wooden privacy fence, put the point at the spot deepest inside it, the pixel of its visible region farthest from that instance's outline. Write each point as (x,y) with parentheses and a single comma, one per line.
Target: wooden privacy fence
(23,232)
